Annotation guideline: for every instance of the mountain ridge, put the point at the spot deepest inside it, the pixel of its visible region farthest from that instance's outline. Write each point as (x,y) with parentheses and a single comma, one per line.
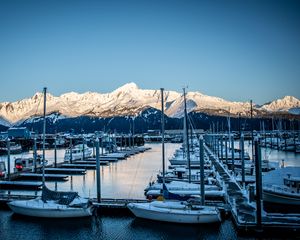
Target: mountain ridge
(130,100)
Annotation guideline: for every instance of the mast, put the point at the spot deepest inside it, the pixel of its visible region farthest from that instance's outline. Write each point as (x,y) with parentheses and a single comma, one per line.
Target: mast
(44,132)
(202,190)
(251,118)
(163,133)
(187,136)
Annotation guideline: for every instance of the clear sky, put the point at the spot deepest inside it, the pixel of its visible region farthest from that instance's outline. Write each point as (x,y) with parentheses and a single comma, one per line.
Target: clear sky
(237,50)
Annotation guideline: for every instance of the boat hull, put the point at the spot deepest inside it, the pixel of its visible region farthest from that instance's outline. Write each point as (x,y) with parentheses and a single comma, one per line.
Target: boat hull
(173,215)
(282,199)
(78,156)
(20,207)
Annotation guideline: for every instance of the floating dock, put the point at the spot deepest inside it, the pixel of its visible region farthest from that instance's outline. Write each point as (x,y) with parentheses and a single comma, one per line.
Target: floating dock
(69,171)
(103,158)
(243,212)
(20,185)
(91,162)
(39,176)
(75,165)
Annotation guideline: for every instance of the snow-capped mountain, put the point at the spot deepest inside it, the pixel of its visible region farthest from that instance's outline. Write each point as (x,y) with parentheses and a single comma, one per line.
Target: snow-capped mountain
(131,100)
(283,104)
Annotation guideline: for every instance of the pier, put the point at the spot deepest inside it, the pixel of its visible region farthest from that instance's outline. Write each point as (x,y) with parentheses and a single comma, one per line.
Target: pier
(245,213)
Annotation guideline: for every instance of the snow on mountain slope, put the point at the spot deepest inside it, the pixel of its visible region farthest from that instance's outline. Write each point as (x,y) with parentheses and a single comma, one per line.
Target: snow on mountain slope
(199,102)
(4,122)
(129,100)
(283,104)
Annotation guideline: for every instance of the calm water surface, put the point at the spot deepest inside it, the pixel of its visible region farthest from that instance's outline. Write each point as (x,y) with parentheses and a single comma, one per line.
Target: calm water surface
(122,179)
(107,227)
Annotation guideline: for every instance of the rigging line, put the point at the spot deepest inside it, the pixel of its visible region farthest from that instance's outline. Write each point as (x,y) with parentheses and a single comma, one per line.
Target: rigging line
(192,124)
(135,174)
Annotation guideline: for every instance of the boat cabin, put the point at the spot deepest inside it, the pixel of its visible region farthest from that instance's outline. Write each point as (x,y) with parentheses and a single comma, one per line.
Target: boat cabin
(2,169)
(292,182)
(25,163)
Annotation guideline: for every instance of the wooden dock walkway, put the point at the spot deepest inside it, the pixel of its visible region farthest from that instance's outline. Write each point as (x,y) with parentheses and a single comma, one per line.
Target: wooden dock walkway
(243,212)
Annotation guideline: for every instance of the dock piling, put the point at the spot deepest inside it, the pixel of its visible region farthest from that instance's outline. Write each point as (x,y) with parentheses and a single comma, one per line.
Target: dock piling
(8,158)
(34,154)
(258,184)
(232,153)
(55,153)
(242,158)
(71,154)
(202,169)
(98,171)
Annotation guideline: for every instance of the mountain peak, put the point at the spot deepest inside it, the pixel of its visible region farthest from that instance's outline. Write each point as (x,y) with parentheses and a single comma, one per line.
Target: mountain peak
(127,87)
(282,104)
(129,100)
(290,99)
(39,95)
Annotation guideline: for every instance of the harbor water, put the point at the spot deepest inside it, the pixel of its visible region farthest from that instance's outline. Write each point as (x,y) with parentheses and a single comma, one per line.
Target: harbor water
(122,179)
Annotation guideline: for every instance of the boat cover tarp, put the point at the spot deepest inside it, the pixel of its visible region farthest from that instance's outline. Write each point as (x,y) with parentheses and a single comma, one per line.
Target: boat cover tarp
(173,196)
(64,198)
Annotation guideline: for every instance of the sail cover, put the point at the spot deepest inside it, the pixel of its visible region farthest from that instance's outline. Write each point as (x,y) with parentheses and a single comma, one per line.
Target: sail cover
(173,196)
(64,198)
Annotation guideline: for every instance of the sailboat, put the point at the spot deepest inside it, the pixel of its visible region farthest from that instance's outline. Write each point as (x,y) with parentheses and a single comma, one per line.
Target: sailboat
(174,210)
(52,204)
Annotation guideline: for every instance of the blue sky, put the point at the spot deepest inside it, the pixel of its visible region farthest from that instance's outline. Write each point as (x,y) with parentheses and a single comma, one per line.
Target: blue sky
(237,50)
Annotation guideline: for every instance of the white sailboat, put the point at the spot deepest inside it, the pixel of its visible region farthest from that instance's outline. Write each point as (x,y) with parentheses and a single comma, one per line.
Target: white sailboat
(59,205)
(52,204)
(175,211)
(79,152)
(171,210)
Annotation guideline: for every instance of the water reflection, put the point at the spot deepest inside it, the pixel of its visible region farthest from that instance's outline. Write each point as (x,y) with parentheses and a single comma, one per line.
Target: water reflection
(122,179)
(291,159)
(128,178)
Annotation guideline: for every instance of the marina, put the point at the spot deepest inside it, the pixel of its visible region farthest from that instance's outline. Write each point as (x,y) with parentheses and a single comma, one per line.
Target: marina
(200,186)
(114,203)
(170,120)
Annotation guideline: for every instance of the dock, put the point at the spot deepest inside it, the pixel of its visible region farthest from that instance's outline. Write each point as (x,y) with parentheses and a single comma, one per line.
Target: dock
(39,176)
(91,162)
(107,158)
(243,211)
(70,171)
(20,185)
(75,165)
